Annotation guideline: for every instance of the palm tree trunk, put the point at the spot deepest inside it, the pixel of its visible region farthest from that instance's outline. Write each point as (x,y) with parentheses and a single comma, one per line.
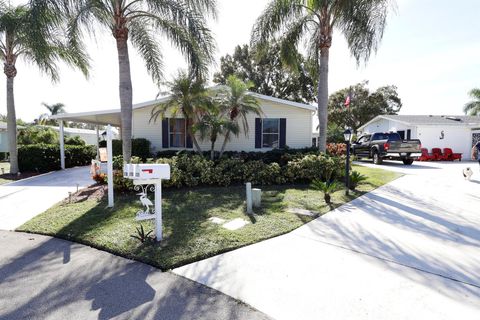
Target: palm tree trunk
(125,90)
(12,127)
(194,139)
(212,150)
(227,137)
(323,99)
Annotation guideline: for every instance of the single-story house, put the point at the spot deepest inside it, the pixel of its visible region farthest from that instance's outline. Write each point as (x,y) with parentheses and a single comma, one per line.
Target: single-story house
(283,123)
(3,137)
(457,132)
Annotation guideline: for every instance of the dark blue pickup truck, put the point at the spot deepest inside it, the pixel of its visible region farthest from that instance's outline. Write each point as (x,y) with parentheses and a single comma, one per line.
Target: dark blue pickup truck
(389,145)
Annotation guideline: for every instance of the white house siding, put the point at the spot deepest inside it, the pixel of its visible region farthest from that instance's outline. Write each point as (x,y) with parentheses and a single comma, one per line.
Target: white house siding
(3,141)
(457,138)
(298,130)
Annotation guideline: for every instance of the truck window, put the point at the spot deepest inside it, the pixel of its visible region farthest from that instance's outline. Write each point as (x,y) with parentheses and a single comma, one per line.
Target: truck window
(386,136)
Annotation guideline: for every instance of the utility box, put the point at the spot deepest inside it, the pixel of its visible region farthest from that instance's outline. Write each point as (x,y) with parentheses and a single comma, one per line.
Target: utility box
(256,198)
(146,171)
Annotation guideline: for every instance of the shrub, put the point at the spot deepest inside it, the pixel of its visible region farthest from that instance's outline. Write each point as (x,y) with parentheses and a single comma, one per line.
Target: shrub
(355,179)
(326,187)
(45,157)
(100,178)
(37,135)
(140,148)
(322,167)
(337,149)
(74,141)
(190,170)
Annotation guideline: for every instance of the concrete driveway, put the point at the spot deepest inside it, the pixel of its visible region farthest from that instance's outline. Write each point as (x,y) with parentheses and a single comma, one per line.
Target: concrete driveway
(22,200)
(47,278)
(408,250)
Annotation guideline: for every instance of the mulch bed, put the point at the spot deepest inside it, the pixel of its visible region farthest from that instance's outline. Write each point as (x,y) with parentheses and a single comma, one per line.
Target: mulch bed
(94,192)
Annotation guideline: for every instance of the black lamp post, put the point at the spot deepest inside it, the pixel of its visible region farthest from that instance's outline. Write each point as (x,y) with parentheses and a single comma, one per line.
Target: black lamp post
(348,136)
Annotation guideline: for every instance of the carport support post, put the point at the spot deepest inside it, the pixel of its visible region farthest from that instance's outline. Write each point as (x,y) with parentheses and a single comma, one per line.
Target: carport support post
(109,166)
(97,142)
(158,211)
(62,146)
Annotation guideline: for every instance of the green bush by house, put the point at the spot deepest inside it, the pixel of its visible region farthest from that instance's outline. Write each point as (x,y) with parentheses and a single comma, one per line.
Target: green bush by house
(46,157)
(191,170)
(140,148)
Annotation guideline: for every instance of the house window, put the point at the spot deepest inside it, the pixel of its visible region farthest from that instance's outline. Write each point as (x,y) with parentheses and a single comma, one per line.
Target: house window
(270,133)
(178,133)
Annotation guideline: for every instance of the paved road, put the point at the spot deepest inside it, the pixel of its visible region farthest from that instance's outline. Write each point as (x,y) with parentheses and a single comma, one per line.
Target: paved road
(47,278)
(408,250)
(22,200)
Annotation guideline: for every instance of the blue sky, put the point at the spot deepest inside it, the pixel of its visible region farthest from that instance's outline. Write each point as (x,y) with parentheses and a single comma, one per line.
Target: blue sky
(430,50)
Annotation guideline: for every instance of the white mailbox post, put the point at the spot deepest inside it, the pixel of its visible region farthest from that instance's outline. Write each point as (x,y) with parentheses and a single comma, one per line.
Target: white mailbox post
(149,177)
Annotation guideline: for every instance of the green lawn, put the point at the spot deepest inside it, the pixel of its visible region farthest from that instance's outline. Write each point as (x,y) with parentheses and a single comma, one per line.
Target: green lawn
(189,236)
(6,167)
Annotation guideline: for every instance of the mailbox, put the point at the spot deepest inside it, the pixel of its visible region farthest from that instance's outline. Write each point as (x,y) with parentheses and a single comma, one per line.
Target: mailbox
(146,171)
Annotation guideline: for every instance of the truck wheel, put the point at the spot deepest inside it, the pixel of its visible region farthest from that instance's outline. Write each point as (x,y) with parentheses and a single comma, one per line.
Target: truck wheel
(376,158)
(407,161)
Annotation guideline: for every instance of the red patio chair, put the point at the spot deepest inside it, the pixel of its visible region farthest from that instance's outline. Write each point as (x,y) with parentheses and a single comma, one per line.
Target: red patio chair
(439,156)
(426,156)
(451,156)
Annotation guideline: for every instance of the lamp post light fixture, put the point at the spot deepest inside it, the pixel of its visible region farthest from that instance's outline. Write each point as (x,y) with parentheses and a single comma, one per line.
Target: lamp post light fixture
(348,137)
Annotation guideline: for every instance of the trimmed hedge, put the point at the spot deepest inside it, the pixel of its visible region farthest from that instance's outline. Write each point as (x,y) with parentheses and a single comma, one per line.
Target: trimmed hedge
(140,148)
(46,157)
(189,170)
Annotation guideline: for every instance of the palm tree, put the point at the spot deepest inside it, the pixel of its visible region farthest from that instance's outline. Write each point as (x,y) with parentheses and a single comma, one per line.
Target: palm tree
(212,124)
(189,98)
(24,33)
(473,107)
(182,22)
(236,100)
(361,21)
(53,109)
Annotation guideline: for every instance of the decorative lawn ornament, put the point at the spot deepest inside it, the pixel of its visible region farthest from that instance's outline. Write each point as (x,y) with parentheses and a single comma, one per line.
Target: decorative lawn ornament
(148,177)
(147,213)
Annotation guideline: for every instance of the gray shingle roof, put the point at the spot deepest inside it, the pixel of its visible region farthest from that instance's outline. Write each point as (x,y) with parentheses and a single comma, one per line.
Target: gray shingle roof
(430,119)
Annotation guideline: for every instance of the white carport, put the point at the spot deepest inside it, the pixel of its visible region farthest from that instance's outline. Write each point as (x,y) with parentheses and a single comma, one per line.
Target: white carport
(105,117)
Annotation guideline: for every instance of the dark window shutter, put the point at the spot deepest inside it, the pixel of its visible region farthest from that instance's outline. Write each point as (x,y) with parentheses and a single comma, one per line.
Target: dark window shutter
(165,135)
(258,133)
(189,138)
(283,133)
(409,134)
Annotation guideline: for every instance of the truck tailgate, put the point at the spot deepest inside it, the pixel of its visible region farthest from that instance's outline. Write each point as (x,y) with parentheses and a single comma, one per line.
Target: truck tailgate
(405,146)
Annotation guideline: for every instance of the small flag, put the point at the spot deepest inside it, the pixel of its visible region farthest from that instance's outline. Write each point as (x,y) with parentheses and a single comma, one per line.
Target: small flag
(348,100)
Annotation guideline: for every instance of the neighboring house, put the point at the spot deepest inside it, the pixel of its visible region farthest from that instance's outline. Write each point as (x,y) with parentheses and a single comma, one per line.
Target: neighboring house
(3,137)
(284,123)
(89,136)
(457,132)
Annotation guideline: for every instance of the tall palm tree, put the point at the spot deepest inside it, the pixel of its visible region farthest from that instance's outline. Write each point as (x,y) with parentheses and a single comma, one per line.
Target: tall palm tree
(189,98)
(53,109)
(182,22)
(362,22)
(212,124)
(236,100)
(34,37)
(473,107)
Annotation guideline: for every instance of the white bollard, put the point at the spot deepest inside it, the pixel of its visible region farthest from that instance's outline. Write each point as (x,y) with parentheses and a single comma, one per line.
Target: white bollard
(257,198)
(249,198)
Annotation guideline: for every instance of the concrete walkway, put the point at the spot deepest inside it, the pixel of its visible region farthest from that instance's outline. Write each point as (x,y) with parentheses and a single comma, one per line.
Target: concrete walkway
(22,200)
(408,250)
(47,278)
